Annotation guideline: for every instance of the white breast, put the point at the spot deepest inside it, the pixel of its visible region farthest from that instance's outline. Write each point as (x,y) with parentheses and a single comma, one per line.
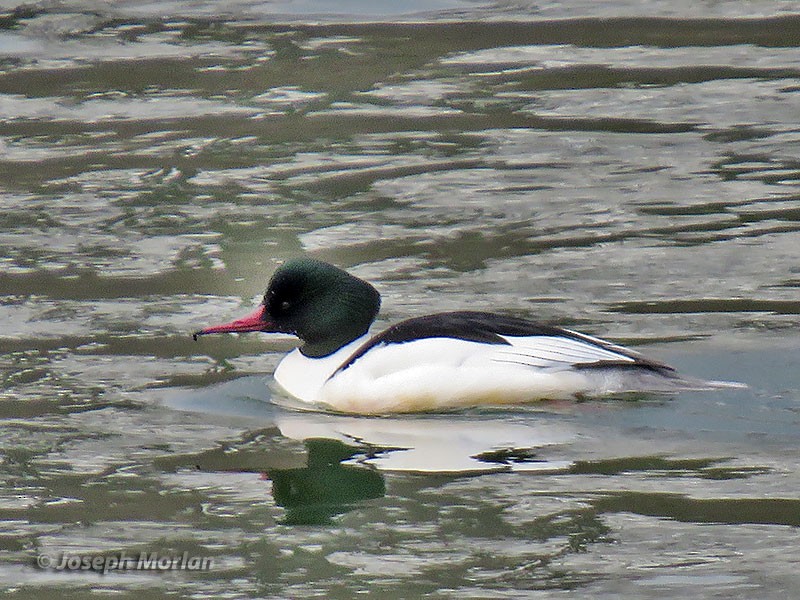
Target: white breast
(303,377)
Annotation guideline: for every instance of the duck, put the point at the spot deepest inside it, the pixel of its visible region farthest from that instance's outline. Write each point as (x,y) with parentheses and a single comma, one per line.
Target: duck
(442,361)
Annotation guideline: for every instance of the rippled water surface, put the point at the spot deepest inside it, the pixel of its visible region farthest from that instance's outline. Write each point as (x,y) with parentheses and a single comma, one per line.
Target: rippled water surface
(627,169)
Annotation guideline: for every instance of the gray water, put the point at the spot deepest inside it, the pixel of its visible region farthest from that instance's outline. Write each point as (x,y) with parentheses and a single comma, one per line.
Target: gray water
(627,169)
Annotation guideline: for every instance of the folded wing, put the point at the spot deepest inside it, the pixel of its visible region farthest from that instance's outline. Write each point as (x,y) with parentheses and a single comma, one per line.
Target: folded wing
(514,341)
(568,349)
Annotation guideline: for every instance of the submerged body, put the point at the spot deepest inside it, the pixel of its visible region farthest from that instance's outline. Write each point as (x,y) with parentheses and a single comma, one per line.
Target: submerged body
(441,361)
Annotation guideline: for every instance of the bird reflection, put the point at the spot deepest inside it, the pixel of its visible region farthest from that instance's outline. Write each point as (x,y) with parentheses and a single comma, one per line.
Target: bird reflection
(312,495)
(322,465)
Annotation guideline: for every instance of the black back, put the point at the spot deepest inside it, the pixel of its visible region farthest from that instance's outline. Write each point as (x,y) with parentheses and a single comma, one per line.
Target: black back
(487,328)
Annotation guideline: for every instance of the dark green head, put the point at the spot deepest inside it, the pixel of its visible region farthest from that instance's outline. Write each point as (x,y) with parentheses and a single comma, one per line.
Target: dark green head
(321,304)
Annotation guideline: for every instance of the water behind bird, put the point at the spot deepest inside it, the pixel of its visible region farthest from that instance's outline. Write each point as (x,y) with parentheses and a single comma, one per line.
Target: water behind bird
(623,169)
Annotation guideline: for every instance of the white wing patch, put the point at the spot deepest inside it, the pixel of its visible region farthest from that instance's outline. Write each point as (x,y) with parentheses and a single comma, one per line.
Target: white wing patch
(556,352)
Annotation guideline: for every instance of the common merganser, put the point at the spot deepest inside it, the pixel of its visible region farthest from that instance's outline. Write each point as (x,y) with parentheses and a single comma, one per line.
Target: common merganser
(440,361)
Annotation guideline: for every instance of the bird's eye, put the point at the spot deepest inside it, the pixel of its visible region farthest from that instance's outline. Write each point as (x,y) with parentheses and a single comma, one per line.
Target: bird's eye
(285,305)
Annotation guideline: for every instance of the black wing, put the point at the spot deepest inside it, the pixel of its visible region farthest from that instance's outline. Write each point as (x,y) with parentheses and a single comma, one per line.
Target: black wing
(490,328)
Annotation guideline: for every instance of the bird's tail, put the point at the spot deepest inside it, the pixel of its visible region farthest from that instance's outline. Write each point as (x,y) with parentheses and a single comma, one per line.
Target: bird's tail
(615,381)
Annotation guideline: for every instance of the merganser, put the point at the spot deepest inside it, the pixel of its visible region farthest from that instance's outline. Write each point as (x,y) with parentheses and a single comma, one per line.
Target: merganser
(440,361)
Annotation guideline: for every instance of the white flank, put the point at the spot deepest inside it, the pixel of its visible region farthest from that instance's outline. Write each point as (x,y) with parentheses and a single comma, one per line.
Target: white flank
(440,373)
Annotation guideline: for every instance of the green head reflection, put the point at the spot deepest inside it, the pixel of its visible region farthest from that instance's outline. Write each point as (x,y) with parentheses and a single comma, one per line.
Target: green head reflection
(313,494)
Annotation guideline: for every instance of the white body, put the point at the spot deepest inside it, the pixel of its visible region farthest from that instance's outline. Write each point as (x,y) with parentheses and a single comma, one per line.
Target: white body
(439,373)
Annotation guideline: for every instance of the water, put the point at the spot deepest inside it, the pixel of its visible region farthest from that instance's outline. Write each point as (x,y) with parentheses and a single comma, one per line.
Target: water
(628,169)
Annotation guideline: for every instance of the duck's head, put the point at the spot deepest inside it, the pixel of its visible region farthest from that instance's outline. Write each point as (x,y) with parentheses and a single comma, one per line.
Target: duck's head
(321,304)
